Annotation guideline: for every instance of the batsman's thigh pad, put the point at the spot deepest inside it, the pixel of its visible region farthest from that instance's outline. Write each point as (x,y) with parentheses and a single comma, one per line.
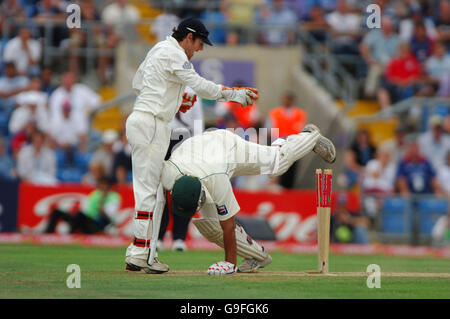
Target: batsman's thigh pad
(246,247)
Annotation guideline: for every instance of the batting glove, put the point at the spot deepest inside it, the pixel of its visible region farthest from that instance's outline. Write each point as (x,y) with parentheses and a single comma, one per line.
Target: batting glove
(221,268)
(244,96)
(189,100)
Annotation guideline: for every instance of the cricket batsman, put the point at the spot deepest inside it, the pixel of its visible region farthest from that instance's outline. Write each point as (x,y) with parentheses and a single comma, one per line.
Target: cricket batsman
(160,83)
(198,175)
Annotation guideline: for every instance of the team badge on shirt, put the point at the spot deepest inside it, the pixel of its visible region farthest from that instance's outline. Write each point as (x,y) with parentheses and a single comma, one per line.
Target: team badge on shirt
(222,210)
(187,65)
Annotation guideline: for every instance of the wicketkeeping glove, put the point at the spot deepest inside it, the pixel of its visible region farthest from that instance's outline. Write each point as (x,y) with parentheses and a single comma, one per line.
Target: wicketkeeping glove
(244,96)
(221,268)
(189,100)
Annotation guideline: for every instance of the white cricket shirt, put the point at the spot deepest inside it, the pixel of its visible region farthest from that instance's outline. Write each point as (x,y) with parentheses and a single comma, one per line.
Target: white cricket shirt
(162,77)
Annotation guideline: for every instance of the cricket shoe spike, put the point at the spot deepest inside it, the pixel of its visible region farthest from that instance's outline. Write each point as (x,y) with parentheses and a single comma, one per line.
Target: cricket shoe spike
(252,265)
(324,147)
(135,264)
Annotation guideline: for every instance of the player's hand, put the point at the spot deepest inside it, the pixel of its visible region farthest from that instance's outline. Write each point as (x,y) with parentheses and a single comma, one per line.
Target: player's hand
(221,268)
(189,100)
(244,96)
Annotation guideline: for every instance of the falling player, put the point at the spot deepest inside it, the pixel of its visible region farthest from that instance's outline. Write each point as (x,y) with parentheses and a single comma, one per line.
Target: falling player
(198,175)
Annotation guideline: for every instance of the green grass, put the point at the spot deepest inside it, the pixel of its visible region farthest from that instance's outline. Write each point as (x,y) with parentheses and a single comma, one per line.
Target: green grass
(33,271)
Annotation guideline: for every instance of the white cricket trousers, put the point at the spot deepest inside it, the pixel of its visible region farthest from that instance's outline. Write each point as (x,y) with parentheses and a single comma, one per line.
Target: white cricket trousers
(275,159)
(149,139)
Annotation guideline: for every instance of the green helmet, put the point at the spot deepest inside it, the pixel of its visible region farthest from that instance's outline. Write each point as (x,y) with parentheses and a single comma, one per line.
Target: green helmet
(185,196)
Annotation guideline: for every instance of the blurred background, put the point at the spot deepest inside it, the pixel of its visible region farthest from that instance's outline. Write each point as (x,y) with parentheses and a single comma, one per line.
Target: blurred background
(382,95)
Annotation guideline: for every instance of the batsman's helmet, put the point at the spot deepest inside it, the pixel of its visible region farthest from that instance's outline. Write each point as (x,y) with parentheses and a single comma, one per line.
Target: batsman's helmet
(185,196)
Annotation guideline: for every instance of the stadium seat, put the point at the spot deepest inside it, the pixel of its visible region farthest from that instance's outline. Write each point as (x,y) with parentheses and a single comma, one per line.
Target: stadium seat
(69,175)
(395,217)
(429,210)
(82,161)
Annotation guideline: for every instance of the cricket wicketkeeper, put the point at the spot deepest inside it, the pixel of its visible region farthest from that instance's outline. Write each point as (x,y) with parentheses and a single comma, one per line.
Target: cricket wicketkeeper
(198,175)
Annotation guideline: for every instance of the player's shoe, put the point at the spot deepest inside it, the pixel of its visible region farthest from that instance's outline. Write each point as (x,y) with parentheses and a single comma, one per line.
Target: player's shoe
(324,147)
(252,265)
(136,264)
(179,245)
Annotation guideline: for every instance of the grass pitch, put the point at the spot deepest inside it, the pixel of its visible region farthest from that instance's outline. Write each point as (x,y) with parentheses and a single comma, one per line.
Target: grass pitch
(34,271)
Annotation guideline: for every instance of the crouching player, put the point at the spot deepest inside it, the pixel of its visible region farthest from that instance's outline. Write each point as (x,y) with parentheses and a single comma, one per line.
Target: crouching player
(198,175)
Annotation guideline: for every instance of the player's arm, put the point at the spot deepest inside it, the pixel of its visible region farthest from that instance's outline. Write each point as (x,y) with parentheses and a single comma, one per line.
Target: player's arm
(185,72)
(229,240)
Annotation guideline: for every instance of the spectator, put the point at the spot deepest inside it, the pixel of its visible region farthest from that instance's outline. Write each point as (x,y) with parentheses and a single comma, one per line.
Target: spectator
(122,159)
(105,153)
(421,44)
(396,146)
(379,174)
(402,76)
(406,26)
(278,24)
(8,171)
(102,206)
(122,17)
(11,84)
(81,98)
(216,20)
(79,37)
(446,124)
(36,163)
(443,175)
(444,86)
(316,24)
(435,143)
(163,25)
(438,65)
(363,148)
(22,138)
(442,21)
(242,11)
(377,48)
(10,9)
(347,227)
(415,174)
(50,12)
(345,27)
(66,135)
(46,79)
(350,177)
(95,173)
(288,119)
(32,107)
(25,52)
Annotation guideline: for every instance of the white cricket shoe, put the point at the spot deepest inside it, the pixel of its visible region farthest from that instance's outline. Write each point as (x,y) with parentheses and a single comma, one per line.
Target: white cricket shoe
(137,264)
(324,147)
(252,265)
(179,245)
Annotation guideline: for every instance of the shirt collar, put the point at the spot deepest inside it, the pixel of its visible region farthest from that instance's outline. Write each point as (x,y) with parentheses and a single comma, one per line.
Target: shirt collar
(175,43)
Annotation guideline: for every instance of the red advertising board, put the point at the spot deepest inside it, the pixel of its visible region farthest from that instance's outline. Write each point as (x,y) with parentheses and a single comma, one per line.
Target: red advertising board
(290,213)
